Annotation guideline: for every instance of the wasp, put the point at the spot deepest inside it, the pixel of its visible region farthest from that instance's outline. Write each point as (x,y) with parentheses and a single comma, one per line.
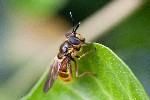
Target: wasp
(67,52)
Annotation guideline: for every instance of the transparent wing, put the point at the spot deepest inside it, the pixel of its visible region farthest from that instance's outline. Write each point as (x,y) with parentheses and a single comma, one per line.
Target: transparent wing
(52,75)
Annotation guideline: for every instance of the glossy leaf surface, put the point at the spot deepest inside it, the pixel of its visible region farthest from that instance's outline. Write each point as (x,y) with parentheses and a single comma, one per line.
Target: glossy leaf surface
(114,80)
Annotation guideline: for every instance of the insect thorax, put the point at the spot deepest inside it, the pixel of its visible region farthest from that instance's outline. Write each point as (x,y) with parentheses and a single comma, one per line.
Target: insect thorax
(64,50)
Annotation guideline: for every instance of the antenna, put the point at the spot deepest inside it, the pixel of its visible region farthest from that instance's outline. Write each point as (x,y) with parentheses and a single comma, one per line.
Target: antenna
(75,28)
(72,19)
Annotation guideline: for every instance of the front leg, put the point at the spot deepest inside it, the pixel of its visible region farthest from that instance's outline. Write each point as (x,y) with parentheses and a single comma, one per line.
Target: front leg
(88,43)
(86,53)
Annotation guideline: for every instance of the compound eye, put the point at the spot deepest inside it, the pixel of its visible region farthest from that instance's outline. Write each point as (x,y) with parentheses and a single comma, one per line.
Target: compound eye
(74,40)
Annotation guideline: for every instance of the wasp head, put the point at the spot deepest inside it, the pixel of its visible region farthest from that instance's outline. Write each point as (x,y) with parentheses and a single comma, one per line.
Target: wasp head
(75,38)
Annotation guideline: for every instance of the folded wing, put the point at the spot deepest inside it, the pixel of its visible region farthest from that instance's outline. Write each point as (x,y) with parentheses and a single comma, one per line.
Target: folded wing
(52,75)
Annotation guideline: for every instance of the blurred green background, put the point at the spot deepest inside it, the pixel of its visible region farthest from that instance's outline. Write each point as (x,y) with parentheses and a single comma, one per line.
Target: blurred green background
(29,30)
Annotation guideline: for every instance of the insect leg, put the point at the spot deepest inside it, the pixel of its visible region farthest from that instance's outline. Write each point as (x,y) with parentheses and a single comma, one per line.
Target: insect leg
(85,73)
(86,53)
(89,43)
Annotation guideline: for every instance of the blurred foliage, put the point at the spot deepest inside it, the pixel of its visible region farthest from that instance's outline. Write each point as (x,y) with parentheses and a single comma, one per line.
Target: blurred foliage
(38,7)
(131,42)
(81,8)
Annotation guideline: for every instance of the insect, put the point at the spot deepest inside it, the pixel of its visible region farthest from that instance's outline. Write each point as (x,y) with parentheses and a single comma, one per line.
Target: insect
(67,52)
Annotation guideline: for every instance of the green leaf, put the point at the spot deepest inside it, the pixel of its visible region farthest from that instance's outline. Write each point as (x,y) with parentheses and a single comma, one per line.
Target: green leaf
(114,80)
